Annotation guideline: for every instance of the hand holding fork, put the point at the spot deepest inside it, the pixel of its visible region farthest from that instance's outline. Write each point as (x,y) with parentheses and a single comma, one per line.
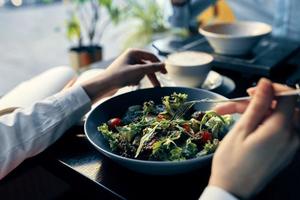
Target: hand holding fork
(189,104)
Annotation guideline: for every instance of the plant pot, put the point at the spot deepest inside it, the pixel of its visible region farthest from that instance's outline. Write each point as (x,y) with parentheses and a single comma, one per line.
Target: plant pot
(82,57)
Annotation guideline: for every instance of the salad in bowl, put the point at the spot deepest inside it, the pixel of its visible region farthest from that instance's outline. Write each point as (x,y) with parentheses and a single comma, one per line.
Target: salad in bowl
(138,130)
(148,132)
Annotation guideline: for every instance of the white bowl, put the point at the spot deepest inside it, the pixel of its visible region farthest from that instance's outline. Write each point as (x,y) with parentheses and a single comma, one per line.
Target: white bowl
(236,38)
(188,68)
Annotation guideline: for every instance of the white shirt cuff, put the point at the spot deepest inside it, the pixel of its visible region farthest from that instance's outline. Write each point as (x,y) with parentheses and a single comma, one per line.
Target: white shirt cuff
(216,193)
(73,100)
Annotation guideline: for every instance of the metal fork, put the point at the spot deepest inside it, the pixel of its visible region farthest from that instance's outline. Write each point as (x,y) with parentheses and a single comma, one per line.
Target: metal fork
(189,104)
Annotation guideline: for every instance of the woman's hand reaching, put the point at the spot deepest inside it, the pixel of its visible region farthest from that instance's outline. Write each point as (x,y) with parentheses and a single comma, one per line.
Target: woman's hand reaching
(128,69)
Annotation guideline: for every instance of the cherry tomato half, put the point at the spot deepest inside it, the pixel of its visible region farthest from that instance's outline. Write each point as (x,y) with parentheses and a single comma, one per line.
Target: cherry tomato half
(160,117)
(186,127)
(206,136)
(112,123)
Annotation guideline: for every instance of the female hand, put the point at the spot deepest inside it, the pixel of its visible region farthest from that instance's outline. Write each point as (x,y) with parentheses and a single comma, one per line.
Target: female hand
(260,144)
(240,107)
(128,69)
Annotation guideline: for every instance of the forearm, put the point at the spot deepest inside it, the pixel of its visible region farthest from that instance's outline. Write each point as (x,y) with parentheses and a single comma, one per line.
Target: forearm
(100,86)
(26,132)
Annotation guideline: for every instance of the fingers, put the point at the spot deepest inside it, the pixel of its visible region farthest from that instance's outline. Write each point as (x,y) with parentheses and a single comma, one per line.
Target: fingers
(276,86)
(251,91)
(279,127)
(141,55)
(151,68)
(240,107)
(153,79)
(284,111)
(231,107)
(258,106)
(281,88)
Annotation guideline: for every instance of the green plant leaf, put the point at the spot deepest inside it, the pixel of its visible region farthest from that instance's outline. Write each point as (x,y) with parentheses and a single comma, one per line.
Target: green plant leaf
(114,14)
(73,28)
(151,21)
(106,3)
(79,1)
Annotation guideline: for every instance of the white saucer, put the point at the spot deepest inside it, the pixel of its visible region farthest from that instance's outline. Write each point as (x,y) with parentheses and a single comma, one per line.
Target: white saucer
(213,81)
(218,83)
(226,87)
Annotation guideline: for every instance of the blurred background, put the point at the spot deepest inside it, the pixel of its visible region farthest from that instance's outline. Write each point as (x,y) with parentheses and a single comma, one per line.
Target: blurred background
(36,35)
(33,39)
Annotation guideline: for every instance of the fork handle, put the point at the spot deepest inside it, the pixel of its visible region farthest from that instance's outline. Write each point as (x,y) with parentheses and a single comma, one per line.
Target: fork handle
(228,100)
(288,93)
(279,94)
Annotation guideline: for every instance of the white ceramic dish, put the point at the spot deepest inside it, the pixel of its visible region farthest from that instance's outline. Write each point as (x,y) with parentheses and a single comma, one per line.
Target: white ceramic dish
(236,38)
(212,81)
(188,68)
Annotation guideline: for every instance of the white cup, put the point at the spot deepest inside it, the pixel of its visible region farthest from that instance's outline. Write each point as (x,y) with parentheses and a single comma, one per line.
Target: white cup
(188,68)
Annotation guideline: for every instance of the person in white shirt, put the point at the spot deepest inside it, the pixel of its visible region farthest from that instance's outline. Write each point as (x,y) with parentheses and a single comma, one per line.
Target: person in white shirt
(28,131)
(254,140)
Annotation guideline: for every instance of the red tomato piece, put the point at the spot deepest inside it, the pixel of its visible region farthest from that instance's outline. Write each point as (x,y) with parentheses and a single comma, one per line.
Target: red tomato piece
(160,117)
(206,136)
(186,127)
(112,123)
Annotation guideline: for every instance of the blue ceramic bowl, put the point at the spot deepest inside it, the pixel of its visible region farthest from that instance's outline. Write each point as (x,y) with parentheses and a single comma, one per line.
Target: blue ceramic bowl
(117,106)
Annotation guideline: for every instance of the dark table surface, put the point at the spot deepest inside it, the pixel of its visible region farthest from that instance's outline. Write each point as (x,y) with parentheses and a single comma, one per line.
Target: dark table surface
(75,152)
(74,159)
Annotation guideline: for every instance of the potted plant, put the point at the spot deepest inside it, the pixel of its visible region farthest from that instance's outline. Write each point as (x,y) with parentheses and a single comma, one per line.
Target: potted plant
(149,19)
(150,23)
(84,29)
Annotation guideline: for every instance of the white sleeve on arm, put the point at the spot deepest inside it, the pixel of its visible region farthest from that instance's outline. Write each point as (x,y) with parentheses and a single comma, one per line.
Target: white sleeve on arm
(216,193)
(26,132)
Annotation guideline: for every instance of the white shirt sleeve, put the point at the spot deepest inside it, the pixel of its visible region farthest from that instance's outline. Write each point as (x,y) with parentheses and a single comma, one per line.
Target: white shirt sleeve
(26,132)
(216,193)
